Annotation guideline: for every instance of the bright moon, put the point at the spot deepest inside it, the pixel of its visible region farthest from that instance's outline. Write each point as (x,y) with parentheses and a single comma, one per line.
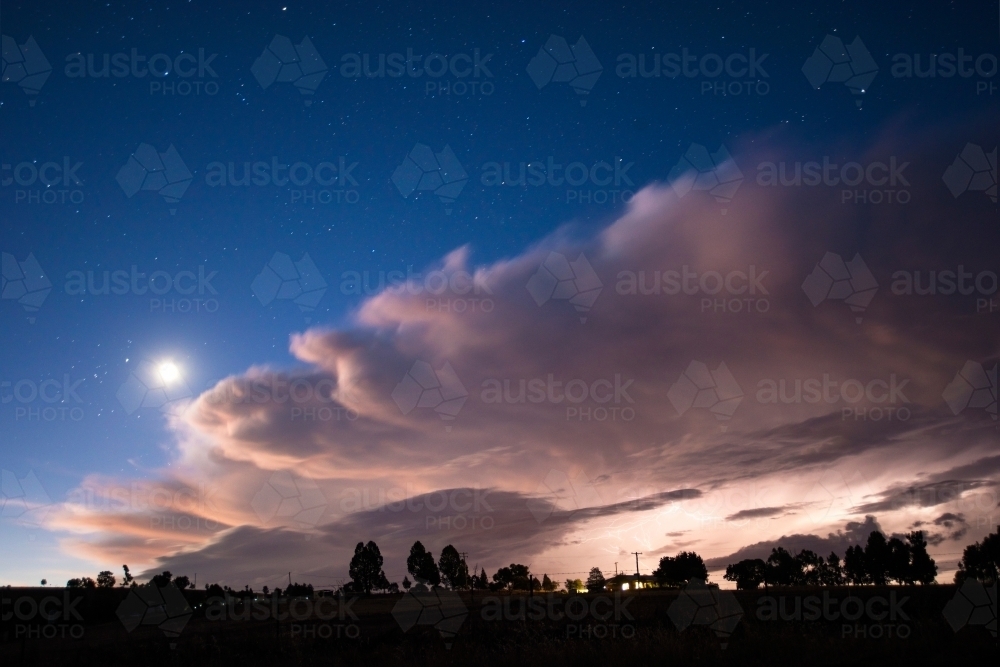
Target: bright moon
(169,372)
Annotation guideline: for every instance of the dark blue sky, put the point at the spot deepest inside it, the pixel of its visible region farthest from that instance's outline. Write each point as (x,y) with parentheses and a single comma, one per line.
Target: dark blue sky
(231,232)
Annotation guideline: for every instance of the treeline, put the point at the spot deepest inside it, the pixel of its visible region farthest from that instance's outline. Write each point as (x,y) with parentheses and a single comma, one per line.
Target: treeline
(903,560)
(450,570)
(980,560)
(879,562)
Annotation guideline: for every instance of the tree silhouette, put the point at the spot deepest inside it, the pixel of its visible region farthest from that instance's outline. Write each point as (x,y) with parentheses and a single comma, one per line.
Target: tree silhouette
(127,581)
(809,567)
(980,560)
(898,562)
(454,571)
(783,569)
(748,574)
(877,556)
(406,584)
(502,579)
(366,568)
(105,579)
(923,569)
(520,577)
(595,580)
(547,584)
(831,573)
(881,560)
(574,585)
(162,579)
(421,565)
(677,571)
(182,582)
(855,570)
(297,590)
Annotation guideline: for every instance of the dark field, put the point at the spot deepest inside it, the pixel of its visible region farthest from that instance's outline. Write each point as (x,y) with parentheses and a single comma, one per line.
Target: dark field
(637,629)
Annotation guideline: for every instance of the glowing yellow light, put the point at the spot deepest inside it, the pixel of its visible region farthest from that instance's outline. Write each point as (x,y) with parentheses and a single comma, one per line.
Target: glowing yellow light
(169,372)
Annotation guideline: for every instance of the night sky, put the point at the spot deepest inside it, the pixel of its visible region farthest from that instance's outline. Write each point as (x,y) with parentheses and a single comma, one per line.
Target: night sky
(599,203)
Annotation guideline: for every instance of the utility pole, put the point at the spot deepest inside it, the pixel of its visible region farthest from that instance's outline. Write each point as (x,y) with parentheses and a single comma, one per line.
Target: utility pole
(465,556)
(637,554)
(616,568)
(290,574)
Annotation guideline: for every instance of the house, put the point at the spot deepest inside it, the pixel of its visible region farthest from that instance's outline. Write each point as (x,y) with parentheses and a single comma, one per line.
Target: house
(631,582)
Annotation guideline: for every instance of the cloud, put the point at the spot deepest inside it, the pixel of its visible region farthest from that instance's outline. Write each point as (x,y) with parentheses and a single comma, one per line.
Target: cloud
(757,513)
(494,526)
(854,532)
(332,417)
(955,523)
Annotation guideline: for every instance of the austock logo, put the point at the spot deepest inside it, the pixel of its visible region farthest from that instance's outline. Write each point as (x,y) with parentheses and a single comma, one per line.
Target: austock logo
(164,607)
(439,608)
(287,496)
(836,280)
(23,500)
(423,387)
(25,65)
(283,62)
(715,173)
(702,604)
(24,282)
(558,62)
(741,291)
(192,71)
(583,183)
(947,66)
(282,279)
(336,181)
(455,69)
(560,279)
(973,387)
(562,496)
(833,62)
(150,386)
(47,400)
(39,619)
(859,183)
(973,604)
(699,387)
(835,493)
(974,170)
(743,73)
(40,183)
(163,173)
(423,169)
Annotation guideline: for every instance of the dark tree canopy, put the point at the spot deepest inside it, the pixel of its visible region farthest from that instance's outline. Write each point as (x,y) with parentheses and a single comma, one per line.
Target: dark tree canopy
(514,577)
(680,569)
(420,564)
(980,560)
(366,568)
(162,579)
(748,574)
(595,580)
(454,571)
(903,560)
